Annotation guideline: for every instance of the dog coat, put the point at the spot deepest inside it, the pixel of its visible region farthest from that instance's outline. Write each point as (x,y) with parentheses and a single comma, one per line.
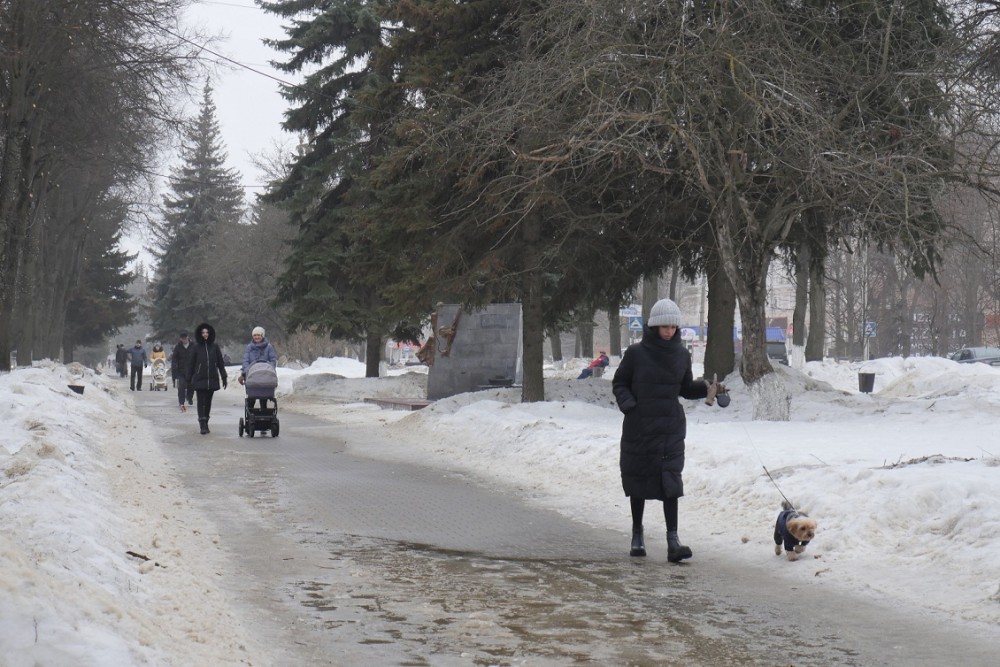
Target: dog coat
(781,534)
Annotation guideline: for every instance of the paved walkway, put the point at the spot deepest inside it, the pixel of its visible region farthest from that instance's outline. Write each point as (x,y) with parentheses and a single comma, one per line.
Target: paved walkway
(339,559)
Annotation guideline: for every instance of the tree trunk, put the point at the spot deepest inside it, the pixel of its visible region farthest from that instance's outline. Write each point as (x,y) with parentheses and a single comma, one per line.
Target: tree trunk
(650,295)
(614,329)
(801,294)
(585,333)
(555,341)
(532,312)
(816,340)
(746,258)
(720,356)
(373,354)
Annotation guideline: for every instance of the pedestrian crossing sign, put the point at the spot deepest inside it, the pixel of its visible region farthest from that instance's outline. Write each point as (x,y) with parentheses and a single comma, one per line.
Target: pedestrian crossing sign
(635,324)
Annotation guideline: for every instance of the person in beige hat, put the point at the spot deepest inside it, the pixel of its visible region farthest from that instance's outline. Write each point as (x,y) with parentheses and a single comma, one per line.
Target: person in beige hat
(258,349)
(653,374)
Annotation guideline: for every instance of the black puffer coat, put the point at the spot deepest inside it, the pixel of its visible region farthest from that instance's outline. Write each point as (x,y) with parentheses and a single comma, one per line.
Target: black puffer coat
(206,367)
(653,373)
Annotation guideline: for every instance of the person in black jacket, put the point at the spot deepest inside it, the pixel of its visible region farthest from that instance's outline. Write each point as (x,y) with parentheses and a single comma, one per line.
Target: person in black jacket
(206,371)
(179,360)
(121,360)
(652,375)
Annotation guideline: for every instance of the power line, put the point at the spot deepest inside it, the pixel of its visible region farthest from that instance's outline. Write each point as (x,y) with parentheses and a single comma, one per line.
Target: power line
(202,47)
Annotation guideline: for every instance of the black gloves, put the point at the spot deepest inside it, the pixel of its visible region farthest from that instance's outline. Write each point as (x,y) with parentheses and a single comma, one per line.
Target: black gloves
(225,383)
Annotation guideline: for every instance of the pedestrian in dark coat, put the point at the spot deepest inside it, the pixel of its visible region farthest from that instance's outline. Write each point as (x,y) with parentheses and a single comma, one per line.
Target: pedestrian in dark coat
(206,372)
(179,360)
(653,374)
(138,360)
(121,360)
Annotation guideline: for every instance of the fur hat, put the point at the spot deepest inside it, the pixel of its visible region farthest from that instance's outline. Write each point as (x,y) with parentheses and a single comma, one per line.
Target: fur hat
(257,330)
(663,313)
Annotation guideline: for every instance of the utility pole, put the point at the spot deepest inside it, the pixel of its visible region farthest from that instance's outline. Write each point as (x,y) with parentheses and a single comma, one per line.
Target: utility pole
(864,300)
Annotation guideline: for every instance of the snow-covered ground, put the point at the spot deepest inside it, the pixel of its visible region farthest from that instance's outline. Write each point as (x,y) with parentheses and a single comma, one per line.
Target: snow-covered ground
(105,561)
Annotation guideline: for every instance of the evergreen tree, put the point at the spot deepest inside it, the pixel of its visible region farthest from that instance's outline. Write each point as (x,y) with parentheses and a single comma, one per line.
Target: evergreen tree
(331,282)
(204,194)
(354,272)
(100,302)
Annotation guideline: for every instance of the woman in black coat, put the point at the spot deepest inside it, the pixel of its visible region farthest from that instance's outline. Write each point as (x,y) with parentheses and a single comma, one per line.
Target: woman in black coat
(652,375)
(206,371)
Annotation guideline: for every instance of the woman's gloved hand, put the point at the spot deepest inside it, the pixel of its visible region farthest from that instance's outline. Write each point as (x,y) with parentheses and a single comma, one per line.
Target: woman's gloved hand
(714,389)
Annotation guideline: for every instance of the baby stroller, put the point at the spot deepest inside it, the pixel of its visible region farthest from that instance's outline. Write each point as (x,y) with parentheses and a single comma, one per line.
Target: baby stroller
(260,383)
(159,371)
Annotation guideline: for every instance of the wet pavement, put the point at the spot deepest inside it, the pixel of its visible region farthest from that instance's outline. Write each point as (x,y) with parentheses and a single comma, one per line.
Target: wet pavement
(339,559)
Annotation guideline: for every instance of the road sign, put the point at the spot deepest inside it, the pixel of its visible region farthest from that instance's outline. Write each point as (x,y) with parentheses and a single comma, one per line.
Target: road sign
(635,324)
(870,330)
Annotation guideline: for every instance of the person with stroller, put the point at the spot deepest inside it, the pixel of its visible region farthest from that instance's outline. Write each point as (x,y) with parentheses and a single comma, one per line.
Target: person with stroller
(258,349)
(206,372)
(138,359)
(179,360)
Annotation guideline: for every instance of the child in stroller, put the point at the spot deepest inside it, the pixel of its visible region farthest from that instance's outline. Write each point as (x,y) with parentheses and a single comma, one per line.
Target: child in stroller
(260,378)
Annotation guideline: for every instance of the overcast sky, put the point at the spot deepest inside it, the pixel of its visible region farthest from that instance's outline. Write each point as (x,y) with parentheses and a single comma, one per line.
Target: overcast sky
(249,105)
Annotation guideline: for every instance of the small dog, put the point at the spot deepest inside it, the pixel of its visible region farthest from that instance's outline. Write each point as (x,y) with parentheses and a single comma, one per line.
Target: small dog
(792,530)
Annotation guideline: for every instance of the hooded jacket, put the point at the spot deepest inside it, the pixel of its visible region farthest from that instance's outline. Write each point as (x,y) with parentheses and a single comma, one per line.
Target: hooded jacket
(206,368)
(651,377)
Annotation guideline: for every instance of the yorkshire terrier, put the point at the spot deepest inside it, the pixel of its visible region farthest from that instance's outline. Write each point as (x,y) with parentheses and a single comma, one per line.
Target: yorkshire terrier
(792,530)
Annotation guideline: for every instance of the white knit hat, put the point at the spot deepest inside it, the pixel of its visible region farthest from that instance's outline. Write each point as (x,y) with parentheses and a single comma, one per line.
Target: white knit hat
(257,330)
(664,312)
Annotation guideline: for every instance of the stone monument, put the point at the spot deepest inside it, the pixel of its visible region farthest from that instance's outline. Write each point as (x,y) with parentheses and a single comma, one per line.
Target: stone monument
(475,349)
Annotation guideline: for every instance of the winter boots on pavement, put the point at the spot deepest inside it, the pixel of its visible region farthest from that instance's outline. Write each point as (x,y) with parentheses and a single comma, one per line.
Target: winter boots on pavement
(676,552)
(638,546)
(204,426)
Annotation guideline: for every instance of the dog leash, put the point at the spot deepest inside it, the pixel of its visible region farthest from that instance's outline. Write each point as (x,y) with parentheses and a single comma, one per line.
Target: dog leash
(766,471)
(790,505)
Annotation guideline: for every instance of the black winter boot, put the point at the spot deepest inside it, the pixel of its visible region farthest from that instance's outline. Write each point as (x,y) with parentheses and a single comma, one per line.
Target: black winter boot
(638,546)
(204,426)
(676,552)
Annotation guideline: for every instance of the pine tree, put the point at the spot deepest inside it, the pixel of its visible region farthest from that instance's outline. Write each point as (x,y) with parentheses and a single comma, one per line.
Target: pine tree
(205,193)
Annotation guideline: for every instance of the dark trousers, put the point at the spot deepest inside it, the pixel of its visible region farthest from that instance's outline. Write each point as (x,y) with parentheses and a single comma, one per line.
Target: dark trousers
(135,381)
(204,404)
(183,393)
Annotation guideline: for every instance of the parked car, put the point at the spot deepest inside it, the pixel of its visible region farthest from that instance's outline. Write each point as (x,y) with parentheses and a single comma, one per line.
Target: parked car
(777,349)
(972,355)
